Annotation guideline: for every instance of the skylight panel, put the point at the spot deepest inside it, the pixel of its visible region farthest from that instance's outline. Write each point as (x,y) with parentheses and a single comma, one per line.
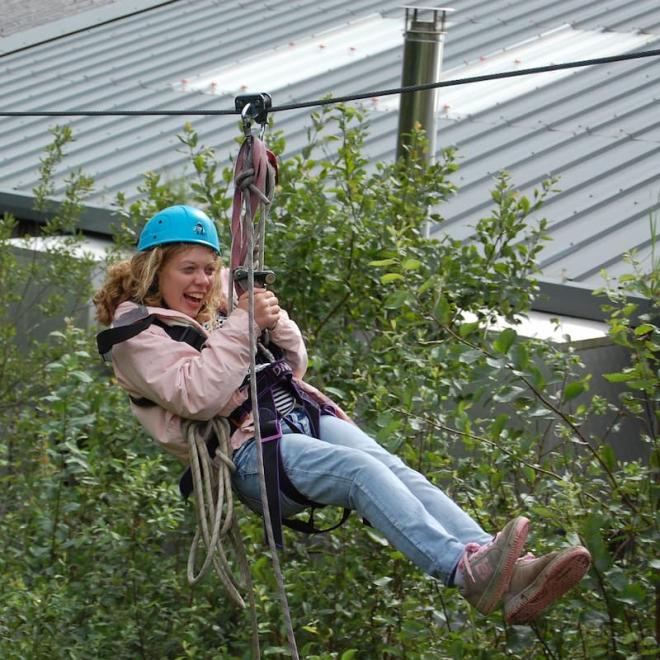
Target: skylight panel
(562,44)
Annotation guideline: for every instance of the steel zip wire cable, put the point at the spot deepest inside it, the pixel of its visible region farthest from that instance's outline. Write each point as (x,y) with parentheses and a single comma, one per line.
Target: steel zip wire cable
(338,99)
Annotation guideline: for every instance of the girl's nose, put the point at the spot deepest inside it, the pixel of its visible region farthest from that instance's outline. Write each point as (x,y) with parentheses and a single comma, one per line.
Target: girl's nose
(202,278)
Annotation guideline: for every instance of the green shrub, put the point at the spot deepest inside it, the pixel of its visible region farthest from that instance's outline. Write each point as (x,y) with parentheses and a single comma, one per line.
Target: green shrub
(95,537)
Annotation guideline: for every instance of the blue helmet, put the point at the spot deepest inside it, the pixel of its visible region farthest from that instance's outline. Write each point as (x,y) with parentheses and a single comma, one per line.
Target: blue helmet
(179,224)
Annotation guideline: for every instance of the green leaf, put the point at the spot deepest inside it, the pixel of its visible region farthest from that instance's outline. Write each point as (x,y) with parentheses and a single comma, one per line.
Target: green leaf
(573,389)
(377,538)
(632,594)
(537,377)
(539,411)
(508,394)
(606,454)
(592,533)
(397,299)
(520,355)
(467,329)
(382,263)
(644,329)
(390,277)
(505,340)
(411,264)
(470,356)
(544,512)
(426,285)
(530,473)
(82,376)
(443,310)
(498,425)
(621,376)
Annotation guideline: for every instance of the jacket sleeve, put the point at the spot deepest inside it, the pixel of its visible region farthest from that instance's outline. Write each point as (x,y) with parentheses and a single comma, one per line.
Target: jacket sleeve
(182,380)
(288,337)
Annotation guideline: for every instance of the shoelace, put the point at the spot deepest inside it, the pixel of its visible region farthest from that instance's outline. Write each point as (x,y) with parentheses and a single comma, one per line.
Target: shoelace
(471,551)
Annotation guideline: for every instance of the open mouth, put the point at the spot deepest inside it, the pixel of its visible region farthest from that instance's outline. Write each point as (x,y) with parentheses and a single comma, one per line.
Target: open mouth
(194,298)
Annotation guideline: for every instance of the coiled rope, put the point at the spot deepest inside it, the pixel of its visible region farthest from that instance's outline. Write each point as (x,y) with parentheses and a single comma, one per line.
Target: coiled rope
(214,506)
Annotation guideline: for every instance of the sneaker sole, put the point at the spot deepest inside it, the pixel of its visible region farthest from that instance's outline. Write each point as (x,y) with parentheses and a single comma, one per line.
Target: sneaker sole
(502,575)
(560,575)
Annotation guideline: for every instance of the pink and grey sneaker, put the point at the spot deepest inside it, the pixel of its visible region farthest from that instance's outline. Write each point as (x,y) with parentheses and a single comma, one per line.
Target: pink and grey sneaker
(484,572)
(539,582)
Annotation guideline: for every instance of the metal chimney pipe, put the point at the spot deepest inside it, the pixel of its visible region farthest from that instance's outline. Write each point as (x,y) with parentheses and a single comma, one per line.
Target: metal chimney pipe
(422,60)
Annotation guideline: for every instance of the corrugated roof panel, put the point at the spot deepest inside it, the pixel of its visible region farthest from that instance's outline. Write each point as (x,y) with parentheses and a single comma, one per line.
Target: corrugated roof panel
(595,128)
(331,49)
(601,252)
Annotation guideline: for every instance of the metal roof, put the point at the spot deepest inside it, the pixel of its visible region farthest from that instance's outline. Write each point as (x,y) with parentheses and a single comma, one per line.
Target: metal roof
(597,129)
(25,23)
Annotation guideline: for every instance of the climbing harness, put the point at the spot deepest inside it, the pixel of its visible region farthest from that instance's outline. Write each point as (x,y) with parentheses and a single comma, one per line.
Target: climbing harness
(274,375)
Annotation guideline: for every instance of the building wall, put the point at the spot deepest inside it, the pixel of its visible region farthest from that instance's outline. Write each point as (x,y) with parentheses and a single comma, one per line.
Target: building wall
(600,357)
(625,435)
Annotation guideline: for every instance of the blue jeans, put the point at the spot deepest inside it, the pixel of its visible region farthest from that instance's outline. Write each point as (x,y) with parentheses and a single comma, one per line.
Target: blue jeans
(349,469)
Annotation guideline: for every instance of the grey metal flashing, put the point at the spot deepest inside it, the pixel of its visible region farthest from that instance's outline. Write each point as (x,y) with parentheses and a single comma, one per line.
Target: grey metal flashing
(571,299)
(94,220)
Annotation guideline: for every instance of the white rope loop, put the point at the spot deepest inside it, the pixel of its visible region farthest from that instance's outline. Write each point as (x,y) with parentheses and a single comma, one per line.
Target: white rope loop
(214,504)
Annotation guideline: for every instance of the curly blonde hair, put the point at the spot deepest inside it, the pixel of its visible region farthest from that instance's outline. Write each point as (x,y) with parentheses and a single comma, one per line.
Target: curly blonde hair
(136,279)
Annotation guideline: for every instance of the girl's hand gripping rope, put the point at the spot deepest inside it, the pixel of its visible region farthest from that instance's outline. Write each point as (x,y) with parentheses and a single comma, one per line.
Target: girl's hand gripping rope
(266,308)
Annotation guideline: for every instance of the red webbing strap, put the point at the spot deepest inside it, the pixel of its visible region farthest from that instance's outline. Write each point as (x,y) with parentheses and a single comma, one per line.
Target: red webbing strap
(253,155)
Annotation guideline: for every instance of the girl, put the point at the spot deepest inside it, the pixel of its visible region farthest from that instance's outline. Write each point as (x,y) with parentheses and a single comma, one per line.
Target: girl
(170,291)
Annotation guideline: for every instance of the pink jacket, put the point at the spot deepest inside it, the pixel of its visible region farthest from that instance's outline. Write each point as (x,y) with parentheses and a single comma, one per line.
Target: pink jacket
(185,383)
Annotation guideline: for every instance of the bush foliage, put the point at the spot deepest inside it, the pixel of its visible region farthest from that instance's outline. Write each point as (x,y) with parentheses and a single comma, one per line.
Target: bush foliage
(95,537)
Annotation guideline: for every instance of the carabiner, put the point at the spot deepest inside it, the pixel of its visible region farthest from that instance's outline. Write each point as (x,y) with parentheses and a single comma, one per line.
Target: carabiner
(245,117)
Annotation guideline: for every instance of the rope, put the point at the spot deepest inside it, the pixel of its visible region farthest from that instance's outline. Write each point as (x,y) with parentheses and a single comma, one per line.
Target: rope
(214,506)
(245,252)
(339,99)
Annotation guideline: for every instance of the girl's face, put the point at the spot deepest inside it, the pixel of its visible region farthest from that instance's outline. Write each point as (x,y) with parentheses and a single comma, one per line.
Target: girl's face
(185,281)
